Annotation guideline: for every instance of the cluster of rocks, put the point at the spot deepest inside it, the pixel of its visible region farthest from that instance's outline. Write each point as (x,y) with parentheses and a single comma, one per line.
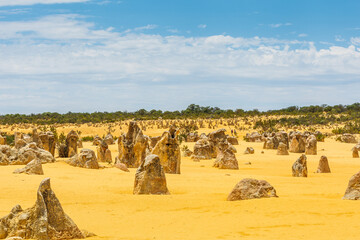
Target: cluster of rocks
(108,139)
(272,140)
(32,168)
(85,159)
(24,155)
(253,137)
(45,220)
(348,138)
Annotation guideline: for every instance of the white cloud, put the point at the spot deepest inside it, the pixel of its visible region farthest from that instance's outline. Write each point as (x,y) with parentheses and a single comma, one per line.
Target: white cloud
(355,41)
(302,35)
(4,3)
(202,26)
(339,38)
(277,25)
(50,61)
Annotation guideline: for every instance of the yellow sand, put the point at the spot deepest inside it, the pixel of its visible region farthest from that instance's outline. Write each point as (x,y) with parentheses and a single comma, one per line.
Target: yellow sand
(101,201)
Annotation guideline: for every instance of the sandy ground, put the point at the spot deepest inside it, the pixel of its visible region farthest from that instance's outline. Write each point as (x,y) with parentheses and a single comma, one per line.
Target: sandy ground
(101,201)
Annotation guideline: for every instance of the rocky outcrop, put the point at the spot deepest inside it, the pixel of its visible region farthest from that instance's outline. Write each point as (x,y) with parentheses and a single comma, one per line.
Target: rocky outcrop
(249,188)
(97,140)
(225,158)
(311,145)
(2,140)
(32,168)
(297,142)
(249,150)
(132,146)
(232,140)
(71,145)
(323,165)
(355,153)
(109,139)
(253,137)
(186,152)
(45,220)
(85,159)
(353,190)
(150,177)
(203,150)
(192,137)
(48,141)
(122,167)
(80,144)
(103,152)
(36,139)
(168,150)
(282,149)
(348,138)
(299,168)
(8,154)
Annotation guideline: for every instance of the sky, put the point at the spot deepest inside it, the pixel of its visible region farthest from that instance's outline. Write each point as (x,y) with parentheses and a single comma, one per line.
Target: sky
(125,55)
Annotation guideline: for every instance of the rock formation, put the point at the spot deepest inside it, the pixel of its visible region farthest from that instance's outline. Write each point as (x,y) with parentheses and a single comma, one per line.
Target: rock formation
(249,150)
(85,159)
(192,137)
(282,149)
(299,168)
(225,158)
(249,188)
(70,147)
(232,140)
(122,167)
(353,190)
(2,140)
(109,139)
(348,138)
(168,150)
(32,168)
(355,153)
(297,142)
(203,150)
(45,220)
(253,137)
(103,152)
(132,146)
(323,165)
(97,140)
(48,141)
(154,141)
(150,177)
(311,145)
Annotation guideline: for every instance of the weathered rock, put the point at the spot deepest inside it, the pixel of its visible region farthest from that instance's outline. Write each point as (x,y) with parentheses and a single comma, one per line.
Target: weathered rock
(192,137)
(299,168)
(253,137)
(30,152)
(150,177)
(297,142)
(203,150)
(122,167)
(282,149)
(45,220)
(353,190)
(249,188)
(103,152)
(71,143)
(32,168)
(271,143)
(8,154)
(168,150)
(48,141)
(20,143)
(133,146)
(109,139)
(348,138)
(355,153)
(311,145)
(85,159)
(36,139)
(249,150)
(232,140)
(217,136)
(226,158)
(323,165)
(97,140)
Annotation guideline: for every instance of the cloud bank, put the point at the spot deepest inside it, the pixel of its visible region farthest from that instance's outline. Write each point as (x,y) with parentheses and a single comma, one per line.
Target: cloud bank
(64,63)
(4,3)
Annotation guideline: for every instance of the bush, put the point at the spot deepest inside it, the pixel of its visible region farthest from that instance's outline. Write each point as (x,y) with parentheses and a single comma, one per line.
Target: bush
(87,139)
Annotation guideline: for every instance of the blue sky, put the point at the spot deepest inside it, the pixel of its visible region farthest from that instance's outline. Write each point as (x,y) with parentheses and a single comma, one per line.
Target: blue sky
(99,55)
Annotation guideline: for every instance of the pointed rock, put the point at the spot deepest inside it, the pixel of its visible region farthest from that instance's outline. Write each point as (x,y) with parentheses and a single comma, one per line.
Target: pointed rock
(32,168)
(249,188)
